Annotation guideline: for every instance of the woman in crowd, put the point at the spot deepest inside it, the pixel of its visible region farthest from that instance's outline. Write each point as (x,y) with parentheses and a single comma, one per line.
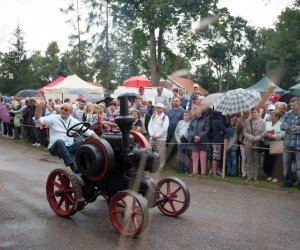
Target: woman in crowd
(218,132)
(109,120)
(137,123)
(89,114)
(273,133)
(198,133)
(97,126)
(254,132)
(240,121)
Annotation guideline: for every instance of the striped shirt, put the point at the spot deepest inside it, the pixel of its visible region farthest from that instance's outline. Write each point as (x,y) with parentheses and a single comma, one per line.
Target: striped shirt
(291,126)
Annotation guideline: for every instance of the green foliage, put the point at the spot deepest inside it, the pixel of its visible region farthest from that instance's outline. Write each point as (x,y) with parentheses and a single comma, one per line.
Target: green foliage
(283,48)
(154,38)
(62,70)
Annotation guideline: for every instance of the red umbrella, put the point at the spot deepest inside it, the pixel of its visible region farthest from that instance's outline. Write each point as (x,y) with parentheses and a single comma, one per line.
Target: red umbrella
(137,81)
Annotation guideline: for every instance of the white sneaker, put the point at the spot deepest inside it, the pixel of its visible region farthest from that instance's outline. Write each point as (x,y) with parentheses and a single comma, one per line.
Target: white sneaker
(34,144)
(275,180)
(269,179)
(38,145)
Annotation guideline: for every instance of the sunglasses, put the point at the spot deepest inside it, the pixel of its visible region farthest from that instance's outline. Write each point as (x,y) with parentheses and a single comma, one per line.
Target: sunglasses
(64,109)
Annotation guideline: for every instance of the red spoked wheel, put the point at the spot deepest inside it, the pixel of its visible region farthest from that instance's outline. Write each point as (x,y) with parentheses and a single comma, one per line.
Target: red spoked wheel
(177,194)
(64,192)
(129,213)
(140,141)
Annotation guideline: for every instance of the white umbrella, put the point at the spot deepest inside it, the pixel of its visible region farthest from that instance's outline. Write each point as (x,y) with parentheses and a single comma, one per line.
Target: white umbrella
(237,100)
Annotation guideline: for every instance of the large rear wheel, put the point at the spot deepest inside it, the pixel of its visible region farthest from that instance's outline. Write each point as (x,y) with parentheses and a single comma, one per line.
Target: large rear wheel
(129,213)
(64,192)
(176,195)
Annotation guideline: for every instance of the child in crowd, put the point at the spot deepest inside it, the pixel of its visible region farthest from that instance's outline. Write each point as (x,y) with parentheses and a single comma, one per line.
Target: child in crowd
(181,135)
(231,156)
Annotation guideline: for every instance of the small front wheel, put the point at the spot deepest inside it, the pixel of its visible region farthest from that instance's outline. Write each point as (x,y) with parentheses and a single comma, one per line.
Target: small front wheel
(128,213)
(176,194)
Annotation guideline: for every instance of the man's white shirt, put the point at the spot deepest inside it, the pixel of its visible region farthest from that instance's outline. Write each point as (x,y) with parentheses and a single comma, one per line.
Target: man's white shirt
(58,127)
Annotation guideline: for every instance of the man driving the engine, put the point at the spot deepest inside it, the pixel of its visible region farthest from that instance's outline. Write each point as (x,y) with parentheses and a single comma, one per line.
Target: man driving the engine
(58,124)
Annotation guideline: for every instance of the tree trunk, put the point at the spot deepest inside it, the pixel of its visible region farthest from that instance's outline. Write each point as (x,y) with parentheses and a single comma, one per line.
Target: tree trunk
(153,59)
(159,49)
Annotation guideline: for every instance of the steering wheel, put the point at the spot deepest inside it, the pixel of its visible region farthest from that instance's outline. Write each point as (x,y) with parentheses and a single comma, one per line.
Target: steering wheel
(78,129)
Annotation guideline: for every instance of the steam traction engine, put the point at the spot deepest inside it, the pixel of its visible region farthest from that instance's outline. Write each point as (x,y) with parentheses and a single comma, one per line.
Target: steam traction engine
(114,166)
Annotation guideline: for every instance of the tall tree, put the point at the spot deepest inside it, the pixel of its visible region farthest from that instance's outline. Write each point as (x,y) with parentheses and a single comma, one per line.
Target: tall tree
(15,64)
(283,48)
(51,61)
(163,17)
(226,44)
(63,69)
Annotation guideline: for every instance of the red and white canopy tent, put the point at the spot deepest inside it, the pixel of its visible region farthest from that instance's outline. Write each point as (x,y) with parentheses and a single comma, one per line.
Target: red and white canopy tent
(72,82)
(51,84)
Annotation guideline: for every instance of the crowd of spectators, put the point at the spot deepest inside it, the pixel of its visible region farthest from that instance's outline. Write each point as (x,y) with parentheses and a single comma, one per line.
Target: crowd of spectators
(183,129)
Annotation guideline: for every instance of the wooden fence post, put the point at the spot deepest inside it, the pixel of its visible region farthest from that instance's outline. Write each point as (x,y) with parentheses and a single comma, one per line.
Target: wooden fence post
(224,158)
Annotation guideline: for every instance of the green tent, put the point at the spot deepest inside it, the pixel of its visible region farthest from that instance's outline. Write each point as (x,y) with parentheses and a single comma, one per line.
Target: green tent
(264,83)
(295,90)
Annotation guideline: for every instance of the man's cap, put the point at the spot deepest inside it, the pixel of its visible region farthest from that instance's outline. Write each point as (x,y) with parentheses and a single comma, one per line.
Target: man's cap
(271,107)
(80,98)
(196,85)
(160,105)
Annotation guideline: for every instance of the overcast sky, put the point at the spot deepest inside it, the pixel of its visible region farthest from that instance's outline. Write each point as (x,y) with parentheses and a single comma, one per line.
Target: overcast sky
(42,22)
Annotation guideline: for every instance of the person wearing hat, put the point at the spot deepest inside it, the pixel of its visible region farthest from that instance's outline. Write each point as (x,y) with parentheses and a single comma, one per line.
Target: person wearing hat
(193,96)
(270,109)
(158,130)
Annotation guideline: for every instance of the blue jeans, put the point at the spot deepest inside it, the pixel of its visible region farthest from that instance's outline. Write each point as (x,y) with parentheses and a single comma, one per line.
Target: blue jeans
(287,165)
(59,148)
(231,162)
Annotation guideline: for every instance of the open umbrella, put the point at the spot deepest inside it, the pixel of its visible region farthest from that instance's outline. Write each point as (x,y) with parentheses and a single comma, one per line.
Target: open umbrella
(237,100)
(4,114)
(137,81)
(27,93)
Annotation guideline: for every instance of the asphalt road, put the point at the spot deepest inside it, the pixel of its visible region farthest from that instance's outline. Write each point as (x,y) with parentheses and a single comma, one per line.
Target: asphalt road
(220,216)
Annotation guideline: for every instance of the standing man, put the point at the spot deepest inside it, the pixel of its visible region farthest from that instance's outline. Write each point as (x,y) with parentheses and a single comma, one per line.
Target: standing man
(175,115)
(158,130)
(142,95)
(193,96)
(183,100)
(281,107)
(160,98)
(79,111)
(60,143)
(291,126)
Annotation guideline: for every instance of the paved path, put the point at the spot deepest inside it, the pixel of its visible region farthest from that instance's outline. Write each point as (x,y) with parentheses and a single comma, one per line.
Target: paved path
(220,216)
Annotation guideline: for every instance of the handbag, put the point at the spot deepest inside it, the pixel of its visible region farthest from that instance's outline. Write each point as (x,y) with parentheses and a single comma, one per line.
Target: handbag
(276,147)
(183,139)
